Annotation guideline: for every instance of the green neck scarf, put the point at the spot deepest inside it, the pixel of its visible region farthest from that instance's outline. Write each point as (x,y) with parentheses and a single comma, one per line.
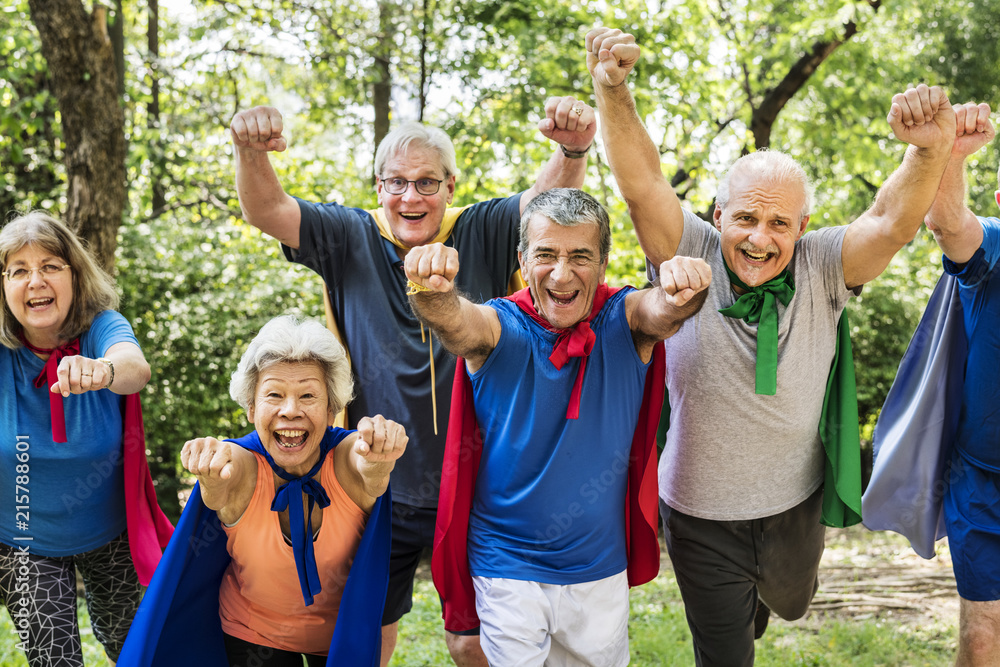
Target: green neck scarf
(759,305)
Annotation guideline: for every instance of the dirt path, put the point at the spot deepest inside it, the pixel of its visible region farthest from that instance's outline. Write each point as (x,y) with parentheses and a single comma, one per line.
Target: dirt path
(868,575)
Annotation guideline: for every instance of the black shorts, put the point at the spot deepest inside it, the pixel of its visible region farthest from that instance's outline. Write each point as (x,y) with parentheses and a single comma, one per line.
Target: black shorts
(412,538)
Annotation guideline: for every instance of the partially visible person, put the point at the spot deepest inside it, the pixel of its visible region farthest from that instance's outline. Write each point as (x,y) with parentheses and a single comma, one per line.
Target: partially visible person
(72,451)
(745,498)
(548,526)
(971,247)
(359,254)
(298,501)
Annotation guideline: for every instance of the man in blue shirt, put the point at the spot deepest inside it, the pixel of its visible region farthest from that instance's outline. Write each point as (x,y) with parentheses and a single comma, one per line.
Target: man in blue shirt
(971,246)
(359,253)
(557,374)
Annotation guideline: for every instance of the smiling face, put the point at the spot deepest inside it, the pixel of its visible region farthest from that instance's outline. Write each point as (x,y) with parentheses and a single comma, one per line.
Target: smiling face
(760,224)
(42,303)
(563,268)
(291,412)
(415,218)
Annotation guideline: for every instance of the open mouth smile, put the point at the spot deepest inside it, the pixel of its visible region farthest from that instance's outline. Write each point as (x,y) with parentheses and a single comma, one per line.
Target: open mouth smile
(413,217)
(290,438)
(40,303)
(563,298)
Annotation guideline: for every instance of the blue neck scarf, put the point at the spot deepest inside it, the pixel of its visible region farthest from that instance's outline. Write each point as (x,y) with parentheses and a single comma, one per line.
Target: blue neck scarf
(289,495)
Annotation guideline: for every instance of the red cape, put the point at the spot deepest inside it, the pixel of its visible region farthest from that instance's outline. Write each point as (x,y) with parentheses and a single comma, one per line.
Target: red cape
(463,449)
(149,530)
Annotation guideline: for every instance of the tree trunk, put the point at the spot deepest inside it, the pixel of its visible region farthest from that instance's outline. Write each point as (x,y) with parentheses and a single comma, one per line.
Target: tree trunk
(81,60)
(382,89)
(153,108)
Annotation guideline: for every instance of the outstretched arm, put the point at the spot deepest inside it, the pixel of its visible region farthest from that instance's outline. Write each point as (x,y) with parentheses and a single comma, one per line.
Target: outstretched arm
(365,460)
(956,228)
(635,161)
(658,312)
(571,124)
(466,329)
(265,204)
(226,472)
(922,117)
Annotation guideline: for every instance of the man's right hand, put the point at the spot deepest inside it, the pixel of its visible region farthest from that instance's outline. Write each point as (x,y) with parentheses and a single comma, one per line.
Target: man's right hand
(973,129)
(432,266)
(611,55)
(258,129)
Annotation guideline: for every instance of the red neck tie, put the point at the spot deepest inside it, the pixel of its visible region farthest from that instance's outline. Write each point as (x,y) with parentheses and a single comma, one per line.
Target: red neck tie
(49,377)
(577,341)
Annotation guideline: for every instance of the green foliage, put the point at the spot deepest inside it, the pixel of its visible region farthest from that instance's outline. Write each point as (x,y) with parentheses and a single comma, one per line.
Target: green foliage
(31,169)
(197,282)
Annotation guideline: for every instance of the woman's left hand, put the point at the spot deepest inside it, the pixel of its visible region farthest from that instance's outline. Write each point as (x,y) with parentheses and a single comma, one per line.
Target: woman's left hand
(80,374)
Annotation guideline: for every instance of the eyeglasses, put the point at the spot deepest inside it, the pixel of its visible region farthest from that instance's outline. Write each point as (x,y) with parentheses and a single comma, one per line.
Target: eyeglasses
(22,274)
(424,186)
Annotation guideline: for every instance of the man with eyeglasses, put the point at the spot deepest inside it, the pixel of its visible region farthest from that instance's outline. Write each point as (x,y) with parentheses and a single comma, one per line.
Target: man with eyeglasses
(359,253)
(971,503)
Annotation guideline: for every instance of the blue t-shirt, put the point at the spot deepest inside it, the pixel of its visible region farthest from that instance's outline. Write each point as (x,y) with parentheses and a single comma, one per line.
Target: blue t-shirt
(70,499)
(389,353)
(550,494)
(979,288)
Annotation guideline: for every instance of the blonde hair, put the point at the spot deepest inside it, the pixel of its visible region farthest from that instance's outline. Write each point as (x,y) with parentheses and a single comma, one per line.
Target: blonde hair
(93,289)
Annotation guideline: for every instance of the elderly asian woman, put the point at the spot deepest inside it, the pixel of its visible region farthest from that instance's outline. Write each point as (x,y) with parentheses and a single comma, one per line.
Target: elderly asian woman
(293,498)
(66,359)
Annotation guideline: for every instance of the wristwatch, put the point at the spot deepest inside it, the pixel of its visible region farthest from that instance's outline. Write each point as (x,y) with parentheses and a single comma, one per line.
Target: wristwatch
(111,367)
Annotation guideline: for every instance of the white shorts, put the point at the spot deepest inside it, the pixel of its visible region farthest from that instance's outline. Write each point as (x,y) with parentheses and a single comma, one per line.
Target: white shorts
(529,624)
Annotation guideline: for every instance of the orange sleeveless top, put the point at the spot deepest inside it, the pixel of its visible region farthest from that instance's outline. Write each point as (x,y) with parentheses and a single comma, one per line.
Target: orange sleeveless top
(260,600)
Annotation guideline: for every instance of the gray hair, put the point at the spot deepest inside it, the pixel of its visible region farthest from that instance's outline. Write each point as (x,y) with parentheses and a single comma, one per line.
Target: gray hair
(773,166)
(419,136)
(93,289)
(567,207)
(285,339)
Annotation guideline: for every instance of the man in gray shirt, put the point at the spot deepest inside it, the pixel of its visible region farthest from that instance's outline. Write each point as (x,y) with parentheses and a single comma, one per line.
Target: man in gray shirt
(741,476)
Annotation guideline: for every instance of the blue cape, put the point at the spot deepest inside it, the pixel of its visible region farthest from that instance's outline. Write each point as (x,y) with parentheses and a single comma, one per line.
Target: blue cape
(917,424)
(178,619)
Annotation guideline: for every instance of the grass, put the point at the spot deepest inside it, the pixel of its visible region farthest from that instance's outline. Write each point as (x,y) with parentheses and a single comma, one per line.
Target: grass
(659,636)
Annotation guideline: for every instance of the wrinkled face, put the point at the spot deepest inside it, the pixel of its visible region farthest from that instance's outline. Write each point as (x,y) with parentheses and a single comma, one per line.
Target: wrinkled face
(290,412)
(760,226)
(41,303)
(563,268)
(415,218)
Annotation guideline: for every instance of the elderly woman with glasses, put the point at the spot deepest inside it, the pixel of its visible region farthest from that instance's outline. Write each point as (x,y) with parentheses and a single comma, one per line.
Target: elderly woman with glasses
(73,474)
(298,511)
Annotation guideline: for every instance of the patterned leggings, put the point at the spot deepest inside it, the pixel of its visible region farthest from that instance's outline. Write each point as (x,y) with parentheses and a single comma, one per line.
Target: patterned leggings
(40,595)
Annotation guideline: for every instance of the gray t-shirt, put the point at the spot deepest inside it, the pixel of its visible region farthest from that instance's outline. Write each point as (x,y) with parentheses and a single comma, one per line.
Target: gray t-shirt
(731,454)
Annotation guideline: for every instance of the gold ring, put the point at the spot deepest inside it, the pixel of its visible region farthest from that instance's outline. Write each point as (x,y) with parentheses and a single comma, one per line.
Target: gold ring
(578,111)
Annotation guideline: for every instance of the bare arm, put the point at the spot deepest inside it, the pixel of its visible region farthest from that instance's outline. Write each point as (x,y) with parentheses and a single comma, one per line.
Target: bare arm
(365,459)
(466,329)
(264,202)
(922,117)
(635,161)
(79,374)
(956,228)
(226,472)
(658,312)
(574,132)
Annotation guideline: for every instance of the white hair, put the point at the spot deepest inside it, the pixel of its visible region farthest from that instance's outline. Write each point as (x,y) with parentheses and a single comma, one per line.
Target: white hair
(769,165)
(417,135)
(285,339)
